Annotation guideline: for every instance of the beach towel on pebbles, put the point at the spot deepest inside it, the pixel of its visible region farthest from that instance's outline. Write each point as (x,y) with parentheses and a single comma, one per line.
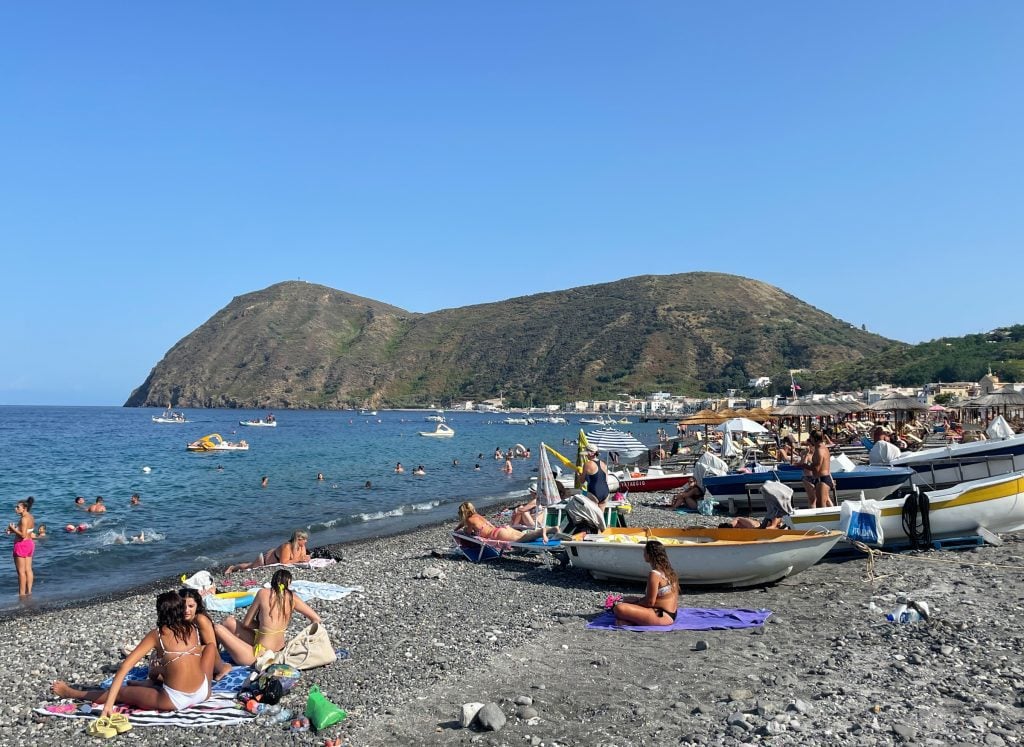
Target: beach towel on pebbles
(314,564)
(220,710)
(322,590)
(690,618)
(229,684)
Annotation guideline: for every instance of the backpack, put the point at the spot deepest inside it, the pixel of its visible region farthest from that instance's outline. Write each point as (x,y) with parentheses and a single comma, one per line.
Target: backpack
(273,683)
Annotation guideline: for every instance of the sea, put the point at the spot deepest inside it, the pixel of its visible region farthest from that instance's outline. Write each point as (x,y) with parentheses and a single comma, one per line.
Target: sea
(201,509)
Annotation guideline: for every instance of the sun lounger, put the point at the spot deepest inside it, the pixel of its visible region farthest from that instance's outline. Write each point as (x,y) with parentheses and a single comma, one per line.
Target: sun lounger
(477,549)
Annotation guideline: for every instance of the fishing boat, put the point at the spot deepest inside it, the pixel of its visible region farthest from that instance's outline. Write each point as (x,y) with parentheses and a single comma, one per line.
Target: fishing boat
(950,465)
(597,421)
(517,421)
(216,442)
(742,489)
(703,556)
(169,416)
(653,480)
(268,422)
(371,413)
(992,503)
(443,430)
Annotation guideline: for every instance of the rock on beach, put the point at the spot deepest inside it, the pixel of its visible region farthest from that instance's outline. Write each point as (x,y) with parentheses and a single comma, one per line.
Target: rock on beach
(829,669)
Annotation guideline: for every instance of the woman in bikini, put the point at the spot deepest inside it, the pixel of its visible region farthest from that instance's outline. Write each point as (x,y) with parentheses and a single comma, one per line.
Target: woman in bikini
(24,545)
(265,622)
(292,551)
(660,605)
(195,614)
(472,522)
(187,666)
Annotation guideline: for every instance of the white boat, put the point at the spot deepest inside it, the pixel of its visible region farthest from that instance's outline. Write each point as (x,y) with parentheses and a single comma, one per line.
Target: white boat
(169,416)
(216,442)
(993,503)
(957,463)
(516,421)
(704,557)
(434,418)
(597,421)
(441,431)
(268,422)
(368,412)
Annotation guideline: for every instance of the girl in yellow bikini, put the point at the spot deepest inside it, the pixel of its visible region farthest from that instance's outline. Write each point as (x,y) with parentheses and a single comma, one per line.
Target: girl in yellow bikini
(265,622)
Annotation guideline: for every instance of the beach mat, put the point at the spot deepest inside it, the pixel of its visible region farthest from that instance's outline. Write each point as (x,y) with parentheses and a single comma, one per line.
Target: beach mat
(690,618)
(220,710)
(229,684)
(322,590)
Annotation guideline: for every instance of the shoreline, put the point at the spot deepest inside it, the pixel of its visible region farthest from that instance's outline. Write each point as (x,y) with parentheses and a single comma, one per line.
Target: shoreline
(825,668)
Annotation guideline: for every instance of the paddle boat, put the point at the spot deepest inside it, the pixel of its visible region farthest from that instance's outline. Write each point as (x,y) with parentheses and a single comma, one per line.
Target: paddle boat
(703,556)
(653,480)
(268,422)
(442,430)
(957,463)
(215,442)
(169,416)
(992,503)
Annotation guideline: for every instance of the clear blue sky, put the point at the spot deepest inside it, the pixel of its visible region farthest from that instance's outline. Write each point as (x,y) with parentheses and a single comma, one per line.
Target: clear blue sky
(159,159)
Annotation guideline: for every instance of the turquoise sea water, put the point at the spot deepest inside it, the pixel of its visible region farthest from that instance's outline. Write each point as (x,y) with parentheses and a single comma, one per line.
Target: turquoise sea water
(194,514)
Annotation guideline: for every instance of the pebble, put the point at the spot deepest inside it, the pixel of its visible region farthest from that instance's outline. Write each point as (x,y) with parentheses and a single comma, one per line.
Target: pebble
(491,717)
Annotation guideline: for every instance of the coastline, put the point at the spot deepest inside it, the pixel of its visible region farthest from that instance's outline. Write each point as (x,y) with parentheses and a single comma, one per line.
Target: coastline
(824,668)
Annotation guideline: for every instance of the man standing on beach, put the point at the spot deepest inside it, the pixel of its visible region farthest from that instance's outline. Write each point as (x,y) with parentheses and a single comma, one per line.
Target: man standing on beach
(818,480)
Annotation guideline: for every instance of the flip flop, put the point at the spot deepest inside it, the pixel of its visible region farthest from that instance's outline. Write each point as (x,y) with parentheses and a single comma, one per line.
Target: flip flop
(120,723)
(101,728)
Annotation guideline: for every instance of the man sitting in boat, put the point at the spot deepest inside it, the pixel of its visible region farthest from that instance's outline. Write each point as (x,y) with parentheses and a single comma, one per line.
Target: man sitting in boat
(882,452)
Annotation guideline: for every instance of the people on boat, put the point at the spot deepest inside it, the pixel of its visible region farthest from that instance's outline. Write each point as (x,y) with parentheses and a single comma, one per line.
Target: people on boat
(270,417)
(24,545)
(817,468)
(98,506)
(292,551)
(187,666)
(399,469)
(265,622)
(195,614)
(660,603)
(135,500)
(476,524)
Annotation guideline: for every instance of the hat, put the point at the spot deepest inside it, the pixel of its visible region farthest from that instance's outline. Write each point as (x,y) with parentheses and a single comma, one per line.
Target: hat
(532,488)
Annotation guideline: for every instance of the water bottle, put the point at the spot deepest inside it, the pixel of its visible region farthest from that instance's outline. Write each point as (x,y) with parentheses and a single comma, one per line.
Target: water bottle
(898,614)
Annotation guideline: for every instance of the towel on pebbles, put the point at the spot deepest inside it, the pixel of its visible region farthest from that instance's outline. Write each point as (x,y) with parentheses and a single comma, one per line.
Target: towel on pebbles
(229,684)
(219,710)
(690,618)
(322,590)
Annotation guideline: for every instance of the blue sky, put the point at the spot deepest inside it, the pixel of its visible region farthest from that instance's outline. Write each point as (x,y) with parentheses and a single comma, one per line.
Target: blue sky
(160,160)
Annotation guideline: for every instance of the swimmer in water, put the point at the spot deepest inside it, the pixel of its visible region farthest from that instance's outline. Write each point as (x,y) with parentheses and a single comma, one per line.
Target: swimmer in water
(263,481)
(135,500)
(419,470)
(319,476)
(399,469)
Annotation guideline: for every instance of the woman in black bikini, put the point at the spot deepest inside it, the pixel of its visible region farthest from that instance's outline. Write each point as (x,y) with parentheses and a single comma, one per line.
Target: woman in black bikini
(660,604)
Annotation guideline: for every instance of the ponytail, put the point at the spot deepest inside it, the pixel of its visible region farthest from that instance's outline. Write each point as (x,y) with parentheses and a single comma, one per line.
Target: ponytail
(27,503)
(280,587)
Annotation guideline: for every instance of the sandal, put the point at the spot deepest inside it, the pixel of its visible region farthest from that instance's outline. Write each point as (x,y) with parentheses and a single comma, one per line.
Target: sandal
(120,722)
(101,728)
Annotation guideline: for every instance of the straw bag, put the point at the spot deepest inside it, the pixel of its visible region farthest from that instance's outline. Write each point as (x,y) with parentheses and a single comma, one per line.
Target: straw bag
(311,648)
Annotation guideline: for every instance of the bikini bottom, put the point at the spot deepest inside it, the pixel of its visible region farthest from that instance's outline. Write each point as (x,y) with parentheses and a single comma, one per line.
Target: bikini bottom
(181,700)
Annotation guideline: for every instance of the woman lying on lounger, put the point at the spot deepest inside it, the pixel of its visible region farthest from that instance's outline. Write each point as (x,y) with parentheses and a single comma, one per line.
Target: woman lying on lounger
(660,604)
(472,522)
(187,666)
(265,622)
(292,551)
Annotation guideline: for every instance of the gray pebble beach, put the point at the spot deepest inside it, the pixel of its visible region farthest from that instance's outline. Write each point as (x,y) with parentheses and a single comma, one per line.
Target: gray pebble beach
(433,632)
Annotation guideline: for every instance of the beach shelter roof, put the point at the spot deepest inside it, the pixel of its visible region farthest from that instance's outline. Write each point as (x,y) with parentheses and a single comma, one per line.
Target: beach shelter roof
(609,439)
(1000,398)
(728,412)
(759,414)
(896,403)
(704,417)
(744,425)
(805,407)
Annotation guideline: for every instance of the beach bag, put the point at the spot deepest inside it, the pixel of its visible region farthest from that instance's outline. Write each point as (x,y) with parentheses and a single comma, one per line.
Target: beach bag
(706,505)
(861,521)
(320,711)
(311,648)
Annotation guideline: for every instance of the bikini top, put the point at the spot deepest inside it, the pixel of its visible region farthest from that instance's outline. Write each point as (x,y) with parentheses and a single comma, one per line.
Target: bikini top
(666,588)
(190,651)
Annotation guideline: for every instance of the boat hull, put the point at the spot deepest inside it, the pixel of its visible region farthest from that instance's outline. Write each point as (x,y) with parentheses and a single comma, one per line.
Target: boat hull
(258,423)
(704,557)
(654,484)
(957,463)
(995,504)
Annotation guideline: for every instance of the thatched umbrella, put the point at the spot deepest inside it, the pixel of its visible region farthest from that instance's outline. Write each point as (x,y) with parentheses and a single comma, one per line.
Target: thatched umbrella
(897,404)
(805,408)
(1005,399)
(705,418)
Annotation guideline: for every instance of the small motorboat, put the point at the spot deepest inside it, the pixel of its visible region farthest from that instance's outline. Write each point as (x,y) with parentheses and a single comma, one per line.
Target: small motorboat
(516,421)
(441,431)
(704,556)
(597,421)
(169,416)
(655,479)
(370,413)
(434,418)
(268,422)
(993,503)
(215,442)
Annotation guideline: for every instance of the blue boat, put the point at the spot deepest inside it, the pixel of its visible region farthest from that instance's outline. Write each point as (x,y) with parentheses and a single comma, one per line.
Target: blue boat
(743,490)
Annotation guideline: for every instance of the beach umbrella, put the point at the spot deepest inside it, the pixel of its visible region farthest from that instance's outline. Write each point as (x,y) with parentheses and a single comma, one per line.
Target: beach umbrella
(547,488)
(609,439)
(759,414)
(705,418)
(745,425)
(897,403)
(805,408)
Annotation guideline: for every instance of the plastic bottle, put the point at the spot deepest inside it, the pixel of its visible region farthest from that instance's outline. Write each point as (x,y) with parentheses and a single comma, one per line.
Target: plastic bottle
(897,615)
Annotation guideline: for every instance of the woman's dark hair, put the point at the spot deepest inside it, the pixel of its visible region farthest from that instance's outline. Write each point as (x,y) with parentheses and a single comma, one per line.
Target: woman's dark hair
(187,593)
(170,614)
(655,552)
(27,503)
(280,585)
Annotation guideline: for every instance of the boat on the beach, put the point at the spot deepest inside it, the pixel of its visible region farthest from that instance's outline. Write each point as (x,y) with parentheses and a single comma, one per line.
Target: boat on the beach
(169,416)
(957,463)
(443,430)
(268,422)
(216,442)
(655,479)
(742,489)
(703,556)
(992,503)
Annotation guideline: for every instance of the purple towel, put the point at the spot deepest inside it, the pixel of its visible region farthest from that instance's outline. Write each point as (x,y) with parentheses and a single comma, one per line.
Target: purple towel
(691,618)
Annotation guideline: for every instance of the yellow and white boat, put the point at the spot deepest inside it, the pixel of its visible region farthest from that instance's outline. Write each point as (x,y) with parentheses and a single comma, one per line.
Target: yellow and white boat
(216,442)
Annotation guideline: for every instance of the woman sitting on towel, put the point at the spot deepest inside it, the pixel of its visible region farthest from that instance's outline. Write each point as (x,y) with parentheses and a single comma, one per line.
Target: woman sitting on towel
(473,523)
(660,604)
(187,666)
(265,622)
(195,614)
(292,551)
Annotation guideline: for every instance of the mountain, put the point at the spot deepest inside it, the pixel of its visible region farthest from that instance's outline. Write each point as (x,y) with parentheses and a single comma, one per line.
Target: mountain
(298,344)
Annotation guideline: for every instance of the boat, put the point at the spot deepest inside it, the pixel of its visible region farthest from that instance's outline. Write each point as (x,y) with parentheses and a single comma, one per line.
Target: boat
(597,421)
(703,556)
(743,488)
(268,422)
(624,421)
(371,413)
(653,480)
(216,442)
(992,503)
(516,421)
(441,431)
(169,416)
(950,465)
(434,418)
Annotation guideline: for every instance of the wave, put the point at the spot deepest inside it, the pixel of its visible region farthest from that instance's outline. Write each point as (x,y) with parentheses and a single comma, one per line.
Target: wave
(427,506)
(121,537)
(378,515)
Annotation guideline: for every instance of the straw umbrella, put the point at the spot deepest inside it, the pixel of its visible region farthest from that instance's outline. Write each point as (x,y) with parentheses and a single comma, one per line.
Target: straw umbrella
(805,408)
(897,404)
(705,418)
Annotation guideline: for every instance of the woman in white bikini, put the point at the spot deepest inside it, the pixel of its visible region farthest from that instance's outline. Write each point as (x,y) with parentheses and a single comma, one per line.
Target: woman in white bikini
(187,666)
(265,622)
(292,551)
(660,605)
